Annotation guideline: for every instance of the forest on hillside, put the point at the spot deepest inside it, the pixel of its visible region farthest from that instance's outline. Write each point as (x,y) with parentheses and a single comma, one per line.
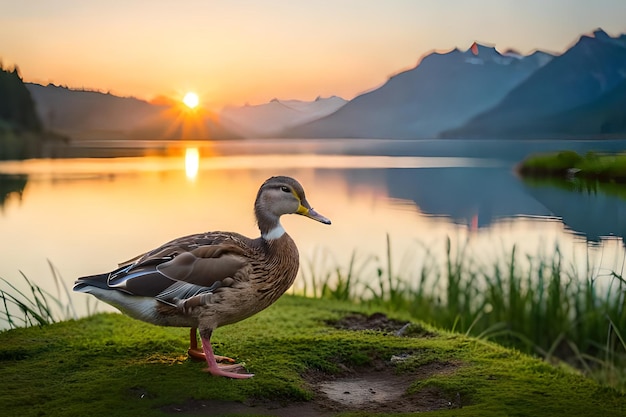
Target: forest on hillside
(21,131)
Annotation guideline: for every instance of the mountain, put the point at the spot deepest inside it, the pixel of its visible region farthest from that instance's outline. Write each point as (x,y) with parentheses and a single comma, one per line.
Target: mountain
(269,119)
(561,89)
(604,116)
(442,92)
(83,114)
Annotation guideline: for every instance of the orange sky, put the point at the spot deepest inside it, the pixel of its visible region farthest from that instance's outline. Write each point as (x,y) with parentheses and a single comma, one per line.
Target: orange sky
(233,52)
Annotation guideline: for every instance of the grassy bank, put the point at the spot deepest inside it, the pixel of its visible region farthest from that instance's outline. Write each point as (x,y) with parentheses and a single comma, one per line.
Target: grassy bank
(538,304)
(310,357)
(569,164)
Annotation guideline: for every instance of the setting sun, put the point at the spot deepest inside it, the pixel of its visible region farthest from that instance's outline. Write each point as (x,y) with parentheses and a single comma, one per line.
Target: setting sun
(191,100)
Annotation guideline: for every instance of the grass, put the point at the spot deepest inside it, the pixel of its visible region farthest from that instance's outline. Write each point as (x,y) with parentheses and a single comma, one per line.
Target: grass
(35,306)
(540,306)
(590,174)
(569,164)
(110,362)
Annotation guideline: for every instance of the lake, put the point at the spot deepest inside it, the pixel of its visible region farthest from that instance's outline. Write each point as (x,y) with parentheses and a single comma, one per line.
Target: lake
(85,215)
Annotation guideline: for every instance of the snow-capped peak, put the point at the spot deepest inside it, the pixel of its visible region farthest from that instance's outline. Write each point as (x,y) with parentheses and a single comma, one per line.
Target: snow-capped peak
(479,54)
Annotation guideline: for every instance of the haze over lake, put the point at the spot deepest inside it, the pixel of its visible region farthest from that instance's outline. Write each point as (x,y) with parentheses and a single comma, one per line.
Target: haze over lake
(85,215)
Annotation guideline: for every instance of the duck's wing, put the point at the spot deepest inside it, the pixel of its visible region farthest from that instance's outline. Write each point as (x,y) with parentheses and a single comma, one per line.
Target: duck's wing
(176,272)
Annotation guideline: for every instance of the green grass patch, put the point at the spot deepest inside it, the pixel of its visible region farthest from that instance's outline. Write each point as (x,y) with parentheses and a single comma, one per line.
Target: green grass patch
(569,164)
(108,364)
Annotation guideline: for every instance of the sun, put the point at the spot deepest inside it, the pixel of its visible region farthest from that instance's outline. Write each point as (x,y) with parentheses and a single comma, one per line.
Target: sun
(191,100)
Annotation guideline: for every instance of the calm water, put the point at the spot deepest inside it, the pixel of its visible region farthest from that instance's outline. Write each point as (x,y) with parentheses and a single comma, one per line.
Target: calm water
(87,214)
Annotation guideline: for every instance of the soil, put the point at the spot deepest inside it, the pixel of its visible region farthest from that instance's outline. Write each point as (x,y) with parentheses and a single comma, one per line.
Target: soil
(377,322)
(380,322)
(377,388)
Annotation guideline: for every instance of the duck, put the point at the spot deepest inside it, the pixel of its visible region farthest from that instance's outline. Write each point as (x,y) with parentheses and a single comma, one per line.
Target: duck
(208,280)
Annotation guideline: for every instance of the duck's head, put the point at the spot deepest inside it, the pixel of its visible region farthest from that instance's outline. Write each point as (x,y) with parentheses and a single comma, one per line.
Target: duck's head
(277,196)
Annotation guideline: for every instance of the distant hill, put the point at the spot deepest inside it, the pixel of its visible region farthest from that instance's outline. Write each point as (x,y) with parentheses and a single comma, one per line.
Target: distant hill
(269,119)
(569,95)
(605,116)
(443,91)
(94,115)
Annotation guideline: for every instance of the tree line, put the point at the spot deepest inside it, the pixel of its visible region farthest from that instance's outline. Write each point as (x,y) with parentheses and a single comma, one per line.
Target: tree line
(20,126)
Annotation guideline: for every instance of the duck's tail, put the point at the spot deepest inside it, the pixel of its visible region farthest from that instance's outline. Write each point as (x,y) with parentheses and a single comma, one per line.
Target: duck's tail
(83,284)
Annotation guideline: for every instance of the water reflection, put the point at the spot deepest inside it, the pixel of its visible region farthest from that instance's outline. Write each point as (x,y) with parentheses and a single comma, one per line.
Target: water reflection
(479,197)
(468,196)
(192,163)
(11,185)
(591,212)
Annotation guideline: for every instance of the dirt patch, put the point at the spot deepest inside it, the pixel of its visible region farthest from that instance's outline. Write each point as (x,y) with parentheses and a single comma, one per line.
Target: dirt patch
(383,390)
(377,321)
(378,392)
(380,322)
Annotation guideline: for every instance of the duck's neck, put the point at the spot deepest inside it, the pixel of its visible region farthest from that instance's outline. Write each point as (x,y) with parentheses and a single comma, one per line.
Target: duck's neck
(275,233)
(269,225)
(281,262)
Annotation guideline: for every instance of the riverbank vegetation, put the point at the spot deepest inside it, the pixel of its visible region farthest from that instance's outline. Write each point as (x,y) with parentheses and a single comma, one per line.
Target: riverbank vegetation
(538,304)
(570,165)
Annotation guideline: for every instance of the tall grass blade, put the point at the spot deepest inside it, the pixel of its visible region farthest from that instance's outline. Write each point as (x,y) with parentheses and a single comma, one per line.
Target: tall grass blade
(58,282)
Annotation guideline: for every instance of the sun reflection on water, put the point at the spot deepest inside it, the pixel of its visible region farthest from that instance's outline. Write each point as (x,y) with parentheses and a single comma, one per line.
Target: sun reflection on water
(192,163)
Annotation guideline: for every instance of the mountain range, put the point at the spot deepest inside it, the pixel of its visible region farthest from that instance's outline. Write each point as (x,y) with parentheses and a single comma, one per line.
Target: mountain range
(482,93)
(443,91)
(474,93)
(83,114)
(579,92)
(270,119)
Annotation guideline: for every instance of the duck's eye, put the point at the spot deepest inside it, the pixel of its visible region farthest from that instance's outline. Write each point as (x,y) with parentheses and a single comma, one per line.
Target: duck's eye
(285,189)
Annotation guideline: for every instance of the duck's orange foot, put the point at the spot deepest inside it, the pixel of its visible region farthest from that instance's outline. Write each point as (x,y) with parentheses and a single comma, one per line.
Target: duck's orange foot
(196,355)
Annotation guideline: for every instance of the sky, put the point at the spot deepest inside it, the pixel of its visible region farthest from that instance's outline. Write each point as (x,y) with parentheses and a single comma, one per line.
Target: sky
(236,52)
